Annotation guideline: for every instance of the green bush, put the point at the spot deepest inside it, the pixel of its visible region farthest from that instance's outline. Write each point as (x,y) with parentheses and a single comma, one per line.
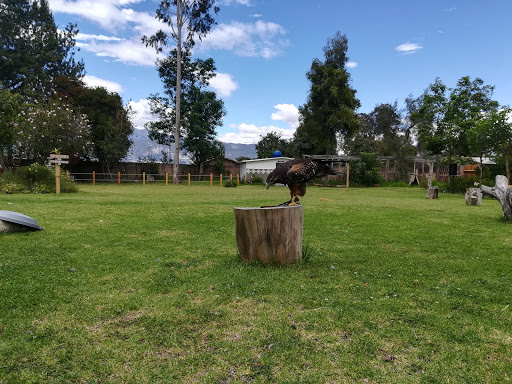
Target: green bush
(229,183)
(257,180)
(35,179)
(366,170)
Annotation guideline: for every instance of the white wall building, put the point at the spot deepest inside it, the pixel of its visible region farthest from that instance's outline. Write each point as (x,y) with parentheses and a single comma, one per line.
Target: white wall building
(260,167)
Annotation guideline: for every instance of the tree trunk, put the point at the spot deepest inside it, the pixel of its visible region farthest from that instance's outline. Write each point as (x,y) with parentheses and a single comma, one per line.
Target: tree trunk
(429,181)
(481,170)
(473,196)
(433,193)
(179,25)
(507,155)
(270,235)
(502,193)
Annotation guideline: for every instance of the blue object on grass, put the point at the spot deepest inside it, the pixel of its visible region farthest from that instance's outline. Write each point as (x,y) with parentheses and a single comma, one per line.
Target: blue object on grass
(19,218)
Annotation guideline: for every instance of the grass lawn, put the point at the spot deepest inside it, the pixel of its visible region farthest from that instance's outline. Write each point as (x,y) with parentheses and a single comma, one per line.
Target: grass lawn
(142,284)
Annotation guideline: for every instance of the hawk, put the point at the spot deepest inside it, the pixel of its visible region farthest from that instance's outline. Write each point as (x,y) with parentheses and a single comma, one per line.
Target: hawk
(296,173)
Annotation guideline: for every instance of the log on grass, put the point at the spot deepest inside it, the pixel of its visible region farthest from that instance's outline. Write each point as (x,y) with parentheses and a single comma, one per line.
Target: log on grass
(473,196)
(271,235)
(432,193)
(502,193)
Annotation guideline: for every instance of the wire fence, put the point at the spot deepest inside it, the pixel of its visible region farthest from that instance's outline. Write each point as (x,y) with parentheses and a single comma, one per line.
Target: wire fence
(151,178)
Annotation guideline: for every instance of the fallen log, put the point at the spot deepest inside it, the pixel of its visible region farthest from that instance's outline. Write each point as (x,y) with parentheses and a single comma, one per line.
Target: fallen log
(502,193)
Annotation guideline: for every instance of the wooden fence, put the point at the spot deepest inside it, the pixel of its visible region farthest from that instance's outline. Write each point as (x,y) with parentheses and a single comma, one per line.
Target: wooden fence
(144,178)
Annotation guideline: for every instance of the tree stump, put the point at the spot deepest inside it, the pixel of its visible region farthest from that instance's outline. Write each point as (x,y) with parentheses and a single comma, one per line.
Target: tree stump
(473,196)
(432,193)
(271,235)
(502,193)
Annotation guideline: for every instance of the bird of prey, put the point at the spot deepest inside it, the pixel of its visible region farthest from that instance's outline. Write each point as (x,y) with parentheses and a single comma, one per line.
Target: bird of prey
(296,173)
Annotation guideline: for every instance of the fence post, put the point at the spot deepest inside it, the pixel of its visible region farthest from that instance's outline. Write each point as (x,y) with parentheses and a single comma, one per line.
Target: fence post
(118,178)
(143,178)
(93,177)
(237,179)
(348,173)
(211,179)
(230,178)
(166,179)
(189,179)
(221,179)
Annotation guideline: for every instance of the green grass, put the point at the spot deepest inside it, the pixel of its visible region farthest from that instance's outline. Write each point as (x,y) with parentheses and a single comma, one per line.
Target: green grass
(142,284)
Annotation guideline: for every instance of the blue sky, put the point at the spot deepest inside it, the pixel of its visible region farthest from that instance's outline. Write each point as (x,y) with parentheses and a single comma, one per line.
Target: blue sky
(263,49)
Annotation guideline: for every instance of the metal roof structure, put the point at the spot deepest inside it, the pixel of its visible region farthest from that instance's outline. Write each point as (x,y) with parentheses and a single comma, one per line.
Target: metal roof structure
(19,218)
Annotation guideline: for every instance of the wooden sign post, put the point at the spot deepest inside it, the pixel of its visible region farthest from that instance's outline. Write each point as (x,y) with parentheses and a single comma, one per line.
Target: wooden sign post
(58,160)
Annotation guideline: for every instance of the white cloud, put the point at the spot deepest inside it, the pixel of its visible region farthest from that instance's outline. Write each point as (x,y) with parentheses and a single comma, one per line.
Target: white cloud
(126,51)
(229,2)
(106,13)
(93,82)
(141,113)
(256,15)
(258,39)
(408,48)
(351,64)
(251,134)
(223,84)
(287,113)
(87,37)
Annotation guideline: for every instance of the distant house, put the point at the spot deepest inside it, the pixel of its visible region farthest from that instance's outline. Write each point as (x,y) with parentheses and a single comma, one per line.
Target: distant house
(260,167)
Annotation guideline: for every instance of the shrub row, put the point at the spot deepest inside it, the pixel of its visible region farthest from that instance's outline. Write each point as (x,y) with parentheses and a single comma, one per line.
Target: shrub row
(34,179)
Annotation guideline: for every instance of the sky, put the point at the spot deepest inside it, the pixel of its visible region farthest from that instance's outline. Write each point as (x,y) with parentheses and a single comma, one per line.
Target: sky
(263,49)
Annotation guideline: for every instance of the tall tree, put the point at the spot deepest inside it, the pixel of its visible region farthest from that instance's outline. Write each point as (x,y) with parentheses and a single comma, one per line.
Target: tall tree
(204,114)
(444,116)
(365,140)
(33,51)
(109,121)
(270,143)
(493,134)
(329,111)
(10,107)
(195,17)
(48,126)
(201,111)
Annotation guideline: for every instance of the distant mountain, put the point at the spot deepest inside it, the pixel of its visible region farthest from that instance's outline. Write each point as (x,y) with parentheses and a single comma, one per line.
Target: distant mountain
(143,148)
(234,151)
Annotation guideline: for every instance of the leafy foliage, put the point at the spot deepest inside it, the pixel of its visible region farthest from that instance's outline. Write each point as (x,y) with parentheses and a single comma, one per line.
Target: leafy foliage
(35,179)
(366,170)
(201,111)
(330,108)
(50,125)
(271,142)
(443,117)
(33,50)
(196,17)
(10,109)
(109,121)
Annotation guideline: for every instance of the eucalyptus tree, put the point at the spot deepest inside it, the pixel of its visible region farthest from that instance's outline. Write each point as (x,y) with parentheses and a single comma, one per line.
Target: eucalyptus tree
(201,111)
(186,21)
